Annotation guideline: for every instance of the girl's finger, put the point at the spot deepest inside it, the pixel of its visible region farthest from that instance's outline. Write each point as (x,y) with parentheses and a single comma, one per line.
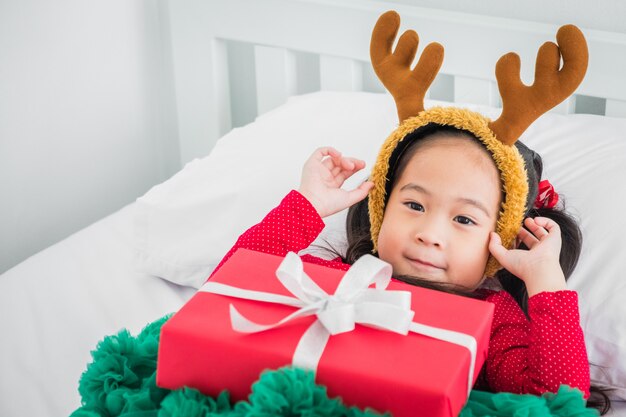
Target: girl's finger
(550,225)
(337,161)
(328,163)
(347,168)
(527,238)
(328,156)
(353,164)
(359,193)
(330,151)
(367,185)
(326,151)
(347,164)
(497,250)
(342,176)
(345,174)
(535,229)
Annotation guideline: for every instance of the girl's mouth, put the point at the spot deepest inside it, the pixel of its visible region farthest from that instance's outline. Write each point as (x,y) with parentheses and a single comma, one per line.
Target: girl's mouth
(423,265)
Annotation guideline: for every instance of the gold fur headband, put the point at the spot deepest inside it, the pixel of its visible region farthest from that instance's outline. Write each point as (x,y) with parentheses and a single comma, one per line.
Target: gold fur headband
(521,106)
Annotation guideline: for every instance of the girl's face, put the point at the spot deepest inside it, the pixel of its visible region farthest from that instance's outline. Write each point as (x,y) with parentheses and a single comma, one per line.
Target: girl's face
(440,212)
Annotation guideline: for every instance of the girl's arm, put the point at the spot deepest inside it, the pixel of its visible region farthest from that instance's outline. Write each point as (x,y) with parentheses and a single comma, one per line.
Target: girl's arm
(297,221)
(547,349)
(291,226)
(537,354)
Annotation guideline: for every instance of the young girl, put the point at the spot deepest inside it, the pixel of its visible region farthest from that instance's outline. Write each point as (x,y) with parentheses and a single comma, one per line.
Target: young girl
(445,205)
(439,227)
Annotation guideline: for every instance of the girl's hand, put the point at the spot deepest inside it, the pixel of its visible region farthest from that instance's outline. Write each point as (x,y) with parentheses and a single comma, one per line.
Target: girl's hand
(538,266)
(323,175)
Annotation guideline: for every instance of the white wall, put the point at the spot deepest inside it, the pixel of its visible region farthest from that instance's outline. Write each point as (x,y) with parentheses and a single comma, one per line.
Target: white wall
(87,115)
(607,15)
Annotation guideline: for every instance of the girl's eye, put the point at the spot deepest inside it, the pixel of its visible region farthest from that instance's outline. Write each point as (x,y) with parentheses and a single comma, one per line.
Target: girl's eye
(414,206)
(464,220)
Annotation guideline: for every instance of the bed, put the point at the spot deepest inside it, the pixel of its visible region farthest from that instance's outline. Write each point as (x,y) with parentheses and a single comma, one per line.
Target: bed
(309,85)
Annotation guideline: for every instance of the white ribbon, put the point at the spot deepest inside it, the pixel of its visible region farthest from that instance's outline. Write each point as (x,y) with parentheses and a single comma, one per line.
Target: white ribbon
(353,302)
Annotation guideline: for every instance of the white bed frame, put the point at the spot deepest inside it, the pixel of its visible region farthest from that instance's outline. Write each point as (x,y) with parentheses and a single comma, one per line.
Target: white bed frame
(337,35)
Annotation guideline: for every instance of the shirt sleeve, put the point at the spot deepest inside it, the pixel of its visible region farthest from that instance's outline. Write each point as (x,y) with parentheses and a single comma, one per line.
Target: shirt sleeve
(537,354)
(292,226)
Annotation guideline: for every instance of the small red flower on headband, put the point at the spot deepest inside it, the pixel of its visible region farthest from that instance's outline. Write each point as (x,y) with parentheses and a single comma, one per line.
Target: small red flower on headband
(547,197)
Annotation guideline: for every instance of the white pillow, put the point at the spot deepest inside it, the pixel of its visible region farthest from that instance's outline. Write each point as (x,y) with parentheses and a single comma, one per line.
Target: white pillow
(185,225)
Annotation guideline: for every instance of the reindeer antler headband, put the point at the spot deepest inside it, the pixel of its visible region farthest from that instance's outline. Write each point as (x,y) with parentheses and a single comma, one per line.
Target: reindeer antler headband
(521,106)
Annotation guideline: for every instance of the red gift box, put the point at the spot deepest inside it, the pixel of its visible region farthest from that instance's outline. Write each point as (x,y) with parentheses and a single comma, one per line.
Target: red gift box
(406,375)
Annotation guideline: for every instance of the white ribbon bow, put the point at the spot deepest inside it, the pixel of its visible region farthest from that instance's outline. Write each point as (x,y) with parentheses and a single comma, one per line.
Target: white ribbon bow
(353,302)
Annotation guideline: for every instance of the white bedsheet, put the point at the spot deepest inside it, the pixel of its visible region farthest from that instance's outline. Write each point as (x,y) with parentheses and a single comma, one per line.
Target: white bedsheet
(57,305)
(618,409)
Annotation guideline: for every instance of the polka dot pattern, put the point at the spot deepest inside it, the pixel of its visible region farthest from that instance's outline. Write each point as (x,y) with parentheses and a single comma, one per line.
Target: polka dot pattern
(536,354)
(526,355)
(290,227)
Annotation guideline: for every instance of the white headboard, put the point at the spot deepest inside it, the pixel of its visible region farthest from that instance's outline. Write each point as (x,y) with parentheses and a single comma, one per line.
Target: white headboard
(324,44)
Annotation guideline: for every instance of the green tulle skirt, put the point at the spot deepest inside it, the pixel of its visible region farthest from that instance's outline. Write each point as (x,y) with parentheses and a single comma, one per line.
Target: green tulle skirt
(121,381)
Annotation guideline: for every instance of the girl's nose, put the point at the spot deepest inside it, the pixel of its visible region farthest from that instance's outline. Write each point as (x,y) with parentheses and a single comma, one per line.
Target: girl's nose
(430,235)
(428,240)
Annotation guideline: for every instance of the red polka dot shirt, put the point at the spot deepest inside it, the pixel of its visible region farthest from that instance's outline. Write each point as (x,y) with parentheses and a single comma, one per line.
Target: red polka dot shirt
(526,355)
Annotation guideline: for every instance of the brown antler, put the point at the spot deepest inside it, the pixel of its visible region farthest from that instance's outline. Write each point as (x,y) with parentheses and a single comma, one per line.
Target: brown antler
(521,104)
(407,86)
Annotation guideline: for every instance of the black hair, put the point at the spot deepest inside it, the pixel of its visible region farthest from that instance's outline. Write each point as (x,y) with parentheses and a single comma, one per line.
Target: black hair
(360,243)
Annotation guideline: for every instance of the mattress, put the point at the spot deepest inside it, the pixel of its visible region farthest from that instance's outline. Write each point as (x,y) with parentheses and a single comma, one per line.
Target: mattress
(57,305)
